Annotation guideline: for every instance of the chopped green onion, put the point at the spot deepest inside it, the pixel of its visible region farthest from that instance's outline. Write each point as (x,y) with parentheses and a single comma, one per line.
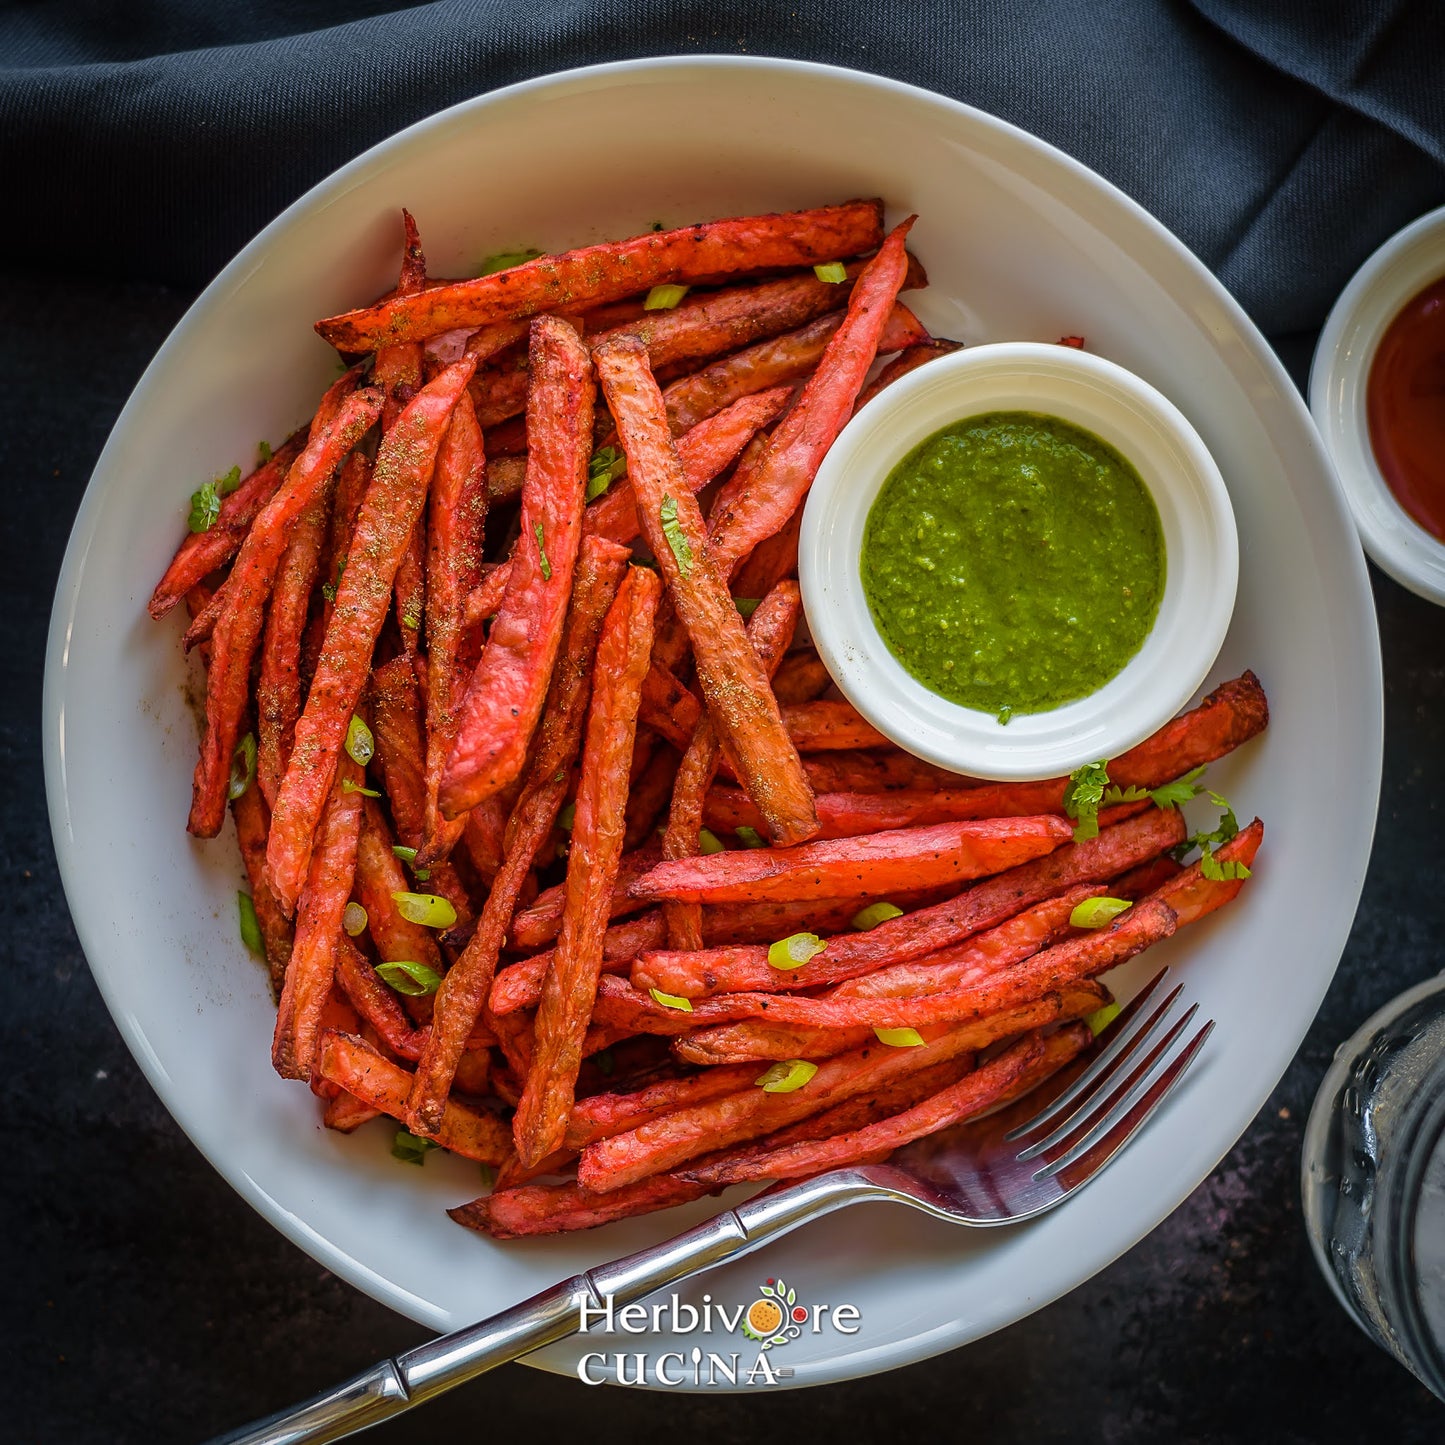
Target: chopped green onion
(795,950)
(411,620)
(900,1038)
(489,1175)
(671,1000)
(250,925)
(783,1078)
(425,908)
(664,298)
(747,605)
(606,466)
(834,271)
(750,837)
(542,553)
(263,450)
(606,1062)
(676,537)
(874,914)
(205,508)
(243,767)
(354,919)
(349,785)
(1082,795)
(412,979)
(567,817)
(505,260)
(1096,912)
(408,856)
(410,1149)
(360,745)
(1101,1018)
(708,841)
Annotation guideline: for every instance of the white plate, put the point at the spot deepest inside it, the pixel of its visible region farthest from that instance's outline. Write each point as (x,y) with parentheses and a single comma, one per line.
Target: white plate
(1020,242)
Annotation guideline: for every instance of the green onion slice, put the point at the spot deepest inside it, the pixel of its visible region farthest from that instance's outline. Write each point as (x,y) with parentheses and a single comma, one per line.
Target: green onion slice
(1096,912)
(542,554)
(567,817)
(412,979)
(350,785)
(408,856)
(243,767)
(676,537)
(360,745)
(750,837)
(874,914)
(1100,1019)
(427,909)
(747,605)
(795,950)
(708,841)
(664,298)
(250,925)
(410,1149)
(264,451)
(900,1038)
(783,1078)
(505,260)
(354,919)
(834,271)
(671,1000)
(606,466)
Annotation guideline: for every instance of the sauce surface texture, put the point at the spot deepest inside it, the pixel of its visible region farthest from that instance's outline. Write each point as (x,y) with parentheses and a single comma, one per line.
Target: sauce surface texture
(1405,406)
(1013,562)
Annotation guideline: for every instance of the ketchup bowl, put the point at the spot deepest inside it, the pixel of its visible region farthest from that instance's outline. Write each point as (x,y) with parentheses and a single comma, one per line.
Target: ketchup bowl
(1114,709)
(1339,393)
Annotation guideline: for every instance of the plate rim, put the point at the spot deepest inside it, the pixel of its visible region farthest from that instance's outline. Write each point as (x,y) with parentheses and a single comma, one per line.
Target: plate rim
(83,536)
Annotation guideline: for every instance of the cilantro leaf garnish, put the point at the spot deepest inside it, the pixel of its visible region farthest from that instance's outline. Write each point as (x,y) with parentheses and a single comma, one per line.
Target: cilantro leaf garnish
(676,537)
(1215,869)
(1082,795)
(205,508)
(606,466)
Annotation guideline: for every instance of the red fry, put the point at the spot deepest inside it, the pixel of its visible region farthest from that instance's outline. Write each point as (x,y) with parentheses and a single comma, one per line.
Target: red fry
(605,1114)
(534,1209)
(566,1005)
(310,972)
(239,620)
(519,985)
(909,359)
(926,930)
(201,553)
(613,270)
(454,539)
(504,698)
(278,691)
(393,502)
(851,770)
(1191,895)
(251,816)
(537,924)
(379,1005)
(648,799)
(463,994)
(873,865)
(805,434)
(739,699)
(362,1071)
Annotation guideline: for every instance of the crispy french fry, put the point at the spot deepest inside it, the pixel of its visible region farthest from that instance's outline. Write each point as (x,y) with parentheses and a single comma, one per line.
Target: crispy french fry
(925,931)
(537,1209)
(239,617)
(393,502)
(252,818)
(613,270)
(519,985)
(538,923)
(571,983)
(1191,895)
(739,699)
(647,801)
(786,471)
(201,553)
(874,865)
(606,1114)
(365,1073)
(311,969)
(801,677)
(464,991)
(909,359)
(850,770)
(504,698)
(379,1005)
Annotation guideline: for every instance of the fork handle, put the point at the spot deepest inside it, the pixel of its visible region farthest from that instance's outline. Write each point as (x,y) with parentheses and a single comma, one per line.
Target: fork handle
(430,1369)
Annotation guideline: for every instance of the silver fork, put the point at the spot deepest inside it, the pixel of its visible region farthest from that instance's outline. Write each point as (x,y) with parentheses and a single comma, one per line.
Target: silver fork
(1007,1167)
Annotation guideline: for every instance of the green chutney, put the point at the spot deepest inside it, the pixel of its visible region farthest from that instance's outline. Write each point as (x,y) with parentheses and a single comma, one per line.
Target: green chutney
(1013,562)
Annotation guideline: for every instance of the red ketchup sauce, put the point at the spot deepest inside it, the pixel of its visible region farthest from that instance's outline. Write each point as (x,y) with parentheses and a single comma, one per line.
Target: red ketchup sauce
(1405,405)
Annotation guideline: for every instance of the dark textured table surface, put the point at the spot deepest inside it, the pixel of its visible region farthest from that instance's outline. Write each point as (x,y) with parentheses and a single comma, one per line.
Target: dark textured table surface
(145,1302)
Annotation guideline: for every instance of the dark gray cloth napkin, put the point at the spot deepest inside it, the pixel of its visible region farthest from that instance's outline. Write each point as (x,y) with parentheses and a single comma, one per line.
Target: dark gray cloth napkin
(1281,139)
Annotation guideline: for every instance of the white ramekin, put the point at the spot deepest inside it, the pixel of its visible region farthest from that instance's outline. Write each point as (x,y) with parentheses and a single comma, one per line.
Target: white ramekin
(1202,551)
(1407,263)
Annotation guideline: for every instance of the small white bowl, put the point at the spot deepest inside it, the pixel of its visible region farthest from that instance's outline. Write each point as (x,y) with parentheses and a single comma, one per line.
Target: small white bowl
(1403,267)
(1201,544)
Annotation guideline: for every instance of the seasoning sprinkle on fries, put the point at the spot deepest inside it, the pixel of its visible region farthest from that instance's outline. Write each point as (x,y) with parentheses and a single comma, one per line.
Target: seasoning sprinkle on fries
(560,853)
